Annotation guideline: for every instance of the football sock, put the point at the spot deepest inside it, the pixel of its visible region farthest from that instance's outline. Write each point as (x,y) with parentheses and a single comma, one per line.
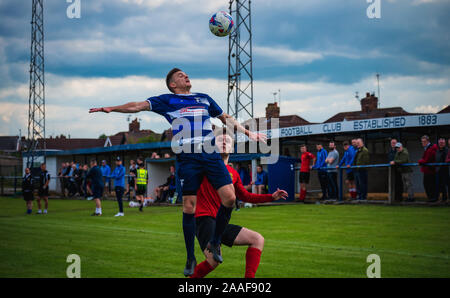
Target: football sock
(201,270)
(252,259)
(189,234)
(29,211)
(120,202)
(222,219)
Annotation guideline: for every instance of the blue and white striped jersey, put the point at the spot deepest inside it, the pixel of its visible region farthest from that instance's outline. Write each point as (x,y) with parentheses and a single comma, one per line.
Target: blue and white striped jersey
(194,110)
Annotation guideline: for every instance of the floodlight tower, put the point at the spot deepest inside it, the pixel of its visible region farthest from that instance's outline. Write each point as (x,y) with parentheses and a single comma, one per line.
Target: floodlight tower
(36,99)
(240,69)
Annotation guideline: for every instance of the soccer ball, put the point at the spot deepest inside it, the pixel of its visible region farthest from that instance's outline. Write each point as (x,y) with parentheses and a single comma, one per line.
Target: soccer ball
(221,24)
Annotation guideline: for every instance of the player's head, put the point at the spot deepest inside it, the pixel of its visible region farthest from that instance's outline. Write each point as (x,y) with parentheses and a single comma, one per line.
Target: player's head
(118,161)
(303,148)
(319,146)
(332,145)
(346,145)
(177,80)
(441,143)
(393,142)
(27,171)
(140,161)
(93,162)
(224,141)
(354,142)
(360,142)
(172,169)
(425,140)
(43,166)
(259,168)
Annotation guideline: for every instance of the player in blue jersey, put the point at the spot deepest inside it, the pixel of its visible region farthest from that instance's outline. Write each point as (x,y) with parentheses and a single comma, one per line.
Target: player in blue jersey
(190,113)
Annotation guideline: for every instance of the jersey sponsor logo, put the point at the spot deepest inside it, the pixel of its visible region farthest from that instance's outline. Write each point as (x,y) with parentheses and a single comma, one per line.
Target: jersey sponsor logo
(193,111)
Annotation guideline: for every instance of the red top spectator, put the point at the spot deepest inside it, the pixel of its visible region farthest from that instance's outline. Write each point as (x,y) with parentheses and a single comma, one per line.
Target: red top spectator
(429,156)
(306,158)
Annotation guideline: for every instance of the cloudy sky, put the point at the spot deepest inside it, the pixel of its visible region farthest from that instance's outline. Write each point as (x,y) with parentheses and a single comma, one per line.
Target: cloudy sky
(318,52)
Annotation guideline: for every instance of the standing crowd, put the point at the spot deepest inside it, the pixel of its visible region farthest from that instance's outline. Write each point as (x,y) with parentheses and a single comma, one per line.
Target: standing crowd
(435,178)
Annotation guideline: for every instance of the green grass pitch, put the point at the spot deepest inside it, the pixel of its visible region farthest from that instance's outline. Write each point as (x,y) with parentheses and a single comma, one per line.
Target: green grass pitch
(301,241)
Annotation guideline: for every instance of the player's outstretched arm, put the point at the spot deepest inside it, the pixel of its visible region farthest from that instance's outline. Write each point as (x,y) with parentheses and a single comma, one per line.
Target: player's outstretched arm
(131,107)
(229,121)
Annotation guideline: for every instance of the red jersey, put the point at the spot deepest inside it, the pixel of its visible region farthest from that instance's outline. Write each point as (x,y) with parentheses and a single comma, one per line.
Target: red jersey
(208,200)
(306,161)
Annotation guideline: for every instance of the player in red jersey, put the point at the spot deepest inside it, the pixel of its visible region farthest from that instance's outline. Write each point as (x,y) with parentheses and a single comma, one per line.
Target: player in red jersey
(305,169)
(208,204)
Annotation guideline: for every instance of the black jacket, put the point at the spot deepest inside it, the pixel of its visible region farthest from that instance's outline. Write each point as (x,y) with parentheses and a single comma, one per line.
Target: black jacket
(27,183)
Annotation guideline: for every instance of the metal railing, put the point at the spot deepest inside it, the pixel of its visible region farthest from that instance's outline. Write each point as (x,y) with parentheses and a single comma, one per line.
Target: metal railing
(391,176)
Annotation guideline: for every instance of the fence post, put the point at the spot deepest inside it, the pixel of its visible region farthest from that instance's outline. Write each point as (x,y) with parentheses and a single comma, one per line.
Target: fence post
(2,180)
(341,172)
(391,184)
(15,185)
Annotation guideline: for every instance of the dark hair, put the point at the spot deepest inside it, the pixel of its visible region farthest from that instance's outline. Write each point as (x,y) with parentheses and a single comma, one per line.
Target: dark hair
(425,137)
(93,160)
(169,77)
(302,145)
(345,143)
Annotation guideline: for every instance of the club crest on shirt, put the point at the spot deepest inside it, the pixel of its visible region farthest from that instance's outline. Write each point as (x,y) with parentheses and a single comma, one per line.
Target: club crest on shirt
(231,175)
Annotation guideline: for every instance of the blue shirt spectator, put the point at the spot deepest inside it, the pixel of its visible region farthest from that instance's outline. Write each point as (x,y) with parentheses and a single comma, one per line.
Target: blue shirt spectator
(320,161)
(261,178)
(106,170)
(119,176)
(347,159)
(245,177)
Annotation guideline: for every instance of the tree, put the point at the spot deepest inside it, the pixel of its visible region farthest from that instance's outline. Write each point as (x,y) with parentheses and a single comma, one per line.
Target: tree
(103,136)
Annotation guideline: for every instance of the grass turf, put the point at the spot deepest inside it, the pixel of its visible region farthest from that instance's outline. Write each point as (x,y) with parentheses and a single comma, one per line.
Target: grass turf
(301,241)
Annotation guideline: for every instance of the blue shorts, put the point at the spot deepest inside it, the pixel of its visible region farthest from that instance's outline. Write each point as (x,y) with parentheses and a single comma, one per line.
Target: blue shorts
(192,167)
(97,192)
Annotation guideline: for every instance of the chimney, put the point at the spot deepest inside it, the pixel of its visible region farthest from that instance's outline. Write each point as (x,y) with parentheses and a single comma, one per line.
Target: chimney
(369,103)
(134,126)
(272,110)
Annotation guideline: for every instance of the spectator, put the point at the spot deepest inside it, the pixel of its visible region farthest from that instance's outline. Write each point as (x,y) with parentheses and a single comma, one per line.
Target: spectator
(96,186)
(71,180)
(400,158)
(119,184)
(248,186)
(261,180)
(393,150)
(166,155)
(84,182)
(332,161)
(27,190)
(442,171)
(321,171)
(106,172)
(131,191)
(347,160)
(397,174)
(66,183)
(78,179)
(447,159)
(61,171)
(429,172)
(166,190)
(44,180)
(362,158)
(305,170)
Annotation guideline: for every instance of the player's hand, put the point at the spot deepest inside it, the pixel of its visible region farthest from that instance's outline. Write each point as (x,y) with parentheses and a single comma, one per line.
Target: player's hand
(348,166)
(337,167)
(280,194)
(392,162)
(104,110)
(257,136)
